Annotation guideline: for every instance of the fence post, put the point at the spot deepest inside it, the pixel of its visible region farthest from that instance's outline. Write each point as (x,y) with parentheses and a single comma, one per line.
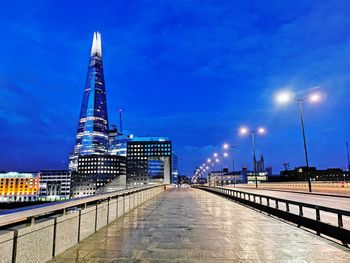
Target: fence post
(340,220)
(318,218)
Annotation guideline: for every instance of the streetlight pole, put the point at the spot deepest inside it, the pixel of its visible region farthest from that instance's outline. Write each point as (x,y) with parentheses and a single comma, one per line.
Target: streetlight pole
(300,101)
(233,156)
(285,97)
(254,158)
(347,151)
(260,130)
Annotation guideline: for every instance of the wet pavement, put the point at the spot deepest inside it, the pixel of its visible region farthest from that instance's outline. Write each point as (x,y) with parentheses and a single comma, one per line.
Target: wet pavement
(189,225)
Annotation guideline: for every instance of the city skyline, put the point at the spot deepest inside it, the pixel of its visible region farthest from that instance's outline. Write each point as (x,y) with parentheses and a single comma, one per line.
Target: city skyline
(227,77)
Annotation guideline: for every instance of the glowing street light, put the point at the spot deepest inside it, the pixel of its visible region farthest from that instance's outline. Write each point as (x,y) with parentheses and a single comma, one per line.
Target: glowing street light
(285,97)
(261,130)
(217,160)
(225,154)
(209,160)
(215,155)
(315,97)
(225,146)
(243,130)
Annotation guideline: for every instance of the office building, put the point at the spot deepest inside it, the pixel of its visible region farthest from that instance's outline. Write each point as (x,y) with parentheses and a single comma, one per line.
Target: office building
(19,187)
(118,143)
(54,185)
(149,160)
(98,174)
(92,132)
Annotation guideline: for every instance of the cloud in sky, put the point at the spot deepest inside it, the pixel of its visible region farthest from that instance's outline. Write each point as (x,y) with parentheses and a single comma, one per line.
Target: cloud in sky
(190,70)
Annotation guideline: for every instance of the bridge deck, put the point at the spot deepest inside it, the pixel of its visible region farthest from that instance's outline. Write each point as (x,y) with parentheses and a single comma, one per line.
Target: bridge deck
(188,225)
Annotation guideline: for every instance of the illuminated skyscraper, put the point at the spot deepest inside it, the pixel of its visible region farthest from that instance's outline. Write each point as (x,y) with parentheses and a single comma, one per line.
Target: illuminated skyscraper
(92,133)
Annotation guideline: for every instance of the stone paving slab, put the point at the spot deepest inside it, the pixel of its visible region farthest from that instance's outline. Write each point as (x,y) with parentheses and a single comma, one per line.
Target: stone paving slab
(189,225)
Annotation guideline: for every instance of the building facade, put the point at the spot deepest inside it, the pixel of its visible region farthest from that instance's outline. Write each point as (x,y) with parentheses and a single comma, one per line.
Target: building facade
(54,185)
(92,132)
(303,173)
(149,161)
(98,174)
(259,177)
(19,187)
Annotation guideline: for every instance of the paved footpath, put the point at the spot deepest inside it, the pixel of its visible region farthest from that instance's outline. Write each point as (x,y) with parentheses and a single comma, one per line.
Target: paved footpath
(189,225)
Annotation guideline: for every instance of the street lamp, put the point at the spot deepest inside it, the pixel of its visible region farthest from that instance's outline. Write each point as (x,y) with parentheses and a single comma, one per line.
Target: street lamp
(285,97)
(245,131)
(226,146)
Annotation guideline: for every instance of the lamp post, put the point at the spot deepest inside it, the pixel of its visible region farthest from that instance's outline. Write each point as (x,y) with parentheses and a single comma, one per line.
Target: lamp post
(285,97)
(219,159)
(226,146)
(347,151)
(260,130)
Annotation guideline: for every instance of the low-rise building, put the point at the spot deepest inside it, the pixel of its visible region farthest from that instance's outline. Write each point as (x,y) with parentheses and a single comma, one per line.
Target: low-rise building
(303,173)
(19,187)
(257,177)
(224,177)
(54,185)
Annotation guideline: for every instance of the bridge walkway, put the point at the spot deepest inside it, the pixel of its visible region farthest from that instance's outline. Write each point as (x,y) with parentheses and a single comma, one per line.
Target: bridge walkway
(189,225)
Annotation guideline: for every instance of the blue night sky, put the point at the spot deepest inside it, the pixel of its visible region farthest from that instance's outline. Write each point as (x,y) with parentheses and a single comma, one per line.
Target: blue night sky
(190,70)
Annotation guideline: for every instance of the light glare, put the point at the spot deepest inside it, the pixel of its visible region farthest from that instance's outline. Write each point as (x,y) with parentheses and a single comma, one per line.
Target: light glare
(243,130)
(315,97)
(261,130)
(284,97)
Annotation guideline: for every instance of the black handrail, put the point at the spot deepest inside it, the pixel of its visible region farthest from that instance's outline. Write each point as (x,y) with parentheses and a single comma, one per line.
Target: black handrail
(338,232)
(323,208)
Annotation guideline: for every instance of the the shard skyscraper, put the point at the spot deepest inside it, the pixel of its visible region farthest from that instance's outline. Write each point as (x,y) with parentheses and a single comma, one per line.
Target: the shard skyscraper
(92,133)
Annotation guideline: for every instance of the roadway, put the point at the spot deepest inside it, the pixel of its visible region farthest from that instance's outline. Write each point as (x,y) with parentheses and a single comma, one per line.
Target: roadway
(190,225)
(328,188)
(342,203)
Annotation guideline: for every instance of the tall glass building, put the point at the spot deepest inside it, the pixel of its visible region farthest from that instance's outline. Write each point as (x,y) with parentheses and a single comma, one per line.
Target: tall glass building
(92,133)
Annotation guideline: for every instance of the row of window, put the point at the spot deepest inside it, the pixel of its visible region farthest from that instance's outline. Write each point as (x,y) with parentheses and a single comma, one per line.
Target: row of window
(100,167)
(150,150)
(149,154)
(97,159)
(149,145)
(100,171)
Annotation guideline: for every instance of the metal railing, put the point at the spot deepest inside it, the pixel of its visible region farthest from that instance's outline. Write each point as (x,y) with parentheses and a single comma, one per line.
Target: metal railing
(30,213)
(275,208)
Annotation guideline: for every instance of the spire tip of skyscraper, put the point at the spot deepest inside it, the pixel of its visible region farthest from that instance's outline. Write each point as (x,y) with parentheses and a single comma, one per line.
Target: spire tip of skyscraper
(96,48)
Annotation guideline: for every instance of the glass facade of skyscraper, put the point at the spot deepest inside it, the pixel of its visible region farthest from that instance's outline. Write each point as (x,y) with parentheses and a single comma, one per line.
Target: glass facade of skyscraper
(92,133)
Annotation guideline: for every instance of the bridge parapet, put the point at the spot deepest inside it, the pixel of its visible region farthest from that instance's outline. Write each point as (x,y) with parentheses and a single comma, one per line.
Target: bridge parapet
(40,232)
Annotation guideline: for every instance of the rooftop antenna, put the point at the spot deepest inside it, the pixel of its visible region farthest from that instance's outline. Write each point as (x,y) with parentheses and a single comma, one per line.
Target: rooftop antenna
(120,120)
